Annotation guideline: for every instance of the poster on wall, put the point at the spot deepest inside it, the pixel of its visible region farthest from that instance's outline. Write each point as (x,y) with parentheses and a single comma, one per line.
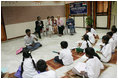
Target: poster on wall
(78,8)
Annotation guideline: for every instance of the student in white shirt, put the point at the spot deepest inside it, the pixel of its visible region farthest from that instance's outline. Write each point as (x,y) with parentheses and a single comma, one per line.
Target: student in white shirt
(86,43)
(65,55)
(91,37)
(28,67)
(92,30)
(44,72)
(114,31)
(29,41)
(111,41)
(92,66)
(106,51)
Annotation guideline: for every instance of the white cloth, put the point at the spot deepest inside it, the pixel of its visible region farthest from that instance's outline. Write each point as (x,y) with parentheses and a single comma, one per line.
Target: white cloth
(49,25)
(29,70)
(84,44)
(66,56)
(112,43)
(93,31)
(29,40)
(115,38)
(91,37)
(93,67)
(47,74)
(106,51)
(60,22)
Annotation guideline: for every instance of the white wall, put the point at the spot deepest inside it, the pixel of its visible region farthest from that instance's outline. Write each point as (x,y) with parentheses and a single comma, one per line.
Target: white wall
(31,3)
(15,30)
(114,14)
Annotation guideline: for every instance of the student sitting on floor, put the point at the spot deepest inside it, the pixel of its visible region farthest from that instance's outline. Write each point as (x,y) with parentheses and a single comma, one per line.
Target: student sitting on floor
(29,41)
(86,43)
(91,37)
(114,31)
(44,72)
(28,67)
(65,55)
(92,66)
(93,32)
(111,41)
(106,52)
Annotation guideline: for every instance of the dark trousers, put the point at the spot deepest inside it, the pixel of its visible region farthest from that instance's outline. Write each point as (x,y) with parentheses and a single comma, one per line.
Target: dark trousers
(39,33)
(58,60)
(74,30)
(60,29)
(36,45)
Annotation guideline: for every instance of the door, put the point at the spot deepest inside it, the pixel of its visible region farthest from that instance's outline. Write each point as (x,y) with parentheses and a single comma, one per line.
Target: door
(3,33)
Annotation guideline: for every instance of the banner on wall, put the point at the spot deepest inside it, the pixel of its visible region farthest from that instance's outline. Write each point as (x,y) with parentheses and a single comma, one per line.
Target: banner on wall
(78,8)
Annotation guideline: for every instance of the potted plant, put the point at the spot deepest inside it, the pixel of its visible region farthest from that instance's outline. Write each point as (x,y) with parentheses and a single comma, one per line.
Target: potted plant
(89,21)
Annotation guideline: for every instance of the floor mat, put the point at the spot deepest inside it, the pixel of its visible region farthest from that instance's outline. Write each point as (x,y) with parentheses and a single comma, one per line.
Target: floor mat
(70,74)
(55,66)
(114,58)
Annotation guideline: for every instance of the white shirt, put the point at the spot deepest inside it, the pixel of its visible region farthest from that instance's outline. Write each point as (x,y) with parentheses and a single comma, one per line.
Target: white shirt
(106,51)
(91,37)
(93,67)
(47,74)
(93,31)
(29,70)
(29,40)
(66,56)
(115,38)
(112,43)
(84,44)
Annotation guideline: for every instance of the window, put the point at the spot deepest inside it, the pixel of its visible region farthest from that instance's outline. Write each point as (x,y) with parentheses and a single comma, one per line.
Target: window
(102,7)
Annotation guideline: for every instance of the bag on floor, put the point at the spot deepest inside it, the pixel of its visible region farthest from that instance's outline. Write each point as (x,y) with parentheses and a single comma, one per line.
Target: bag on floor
(18,73)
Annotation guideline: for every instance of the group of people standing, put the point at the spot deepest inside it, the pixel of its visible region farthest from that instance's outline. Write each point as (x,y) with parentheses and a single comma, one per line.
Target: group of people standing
(54,26)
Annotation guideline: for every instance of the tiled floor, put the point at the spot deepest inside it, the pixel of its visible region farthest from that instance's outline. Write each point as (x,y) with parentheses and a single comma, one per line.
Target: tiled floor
(11,61)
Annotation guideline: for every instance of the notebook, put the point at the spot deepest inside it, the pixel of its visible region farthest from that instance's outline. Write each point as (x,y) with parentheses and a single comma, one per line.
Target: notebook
(55,52)
(19,51)
(80,67)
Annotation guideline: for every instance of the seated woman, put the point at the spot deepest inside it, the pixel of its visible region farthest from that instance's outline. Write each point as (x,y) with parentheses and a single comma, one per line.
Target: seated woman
(54,24)
(106,51)
(60,25)
(49,28)
(44,72)
(86,43)
(91,68)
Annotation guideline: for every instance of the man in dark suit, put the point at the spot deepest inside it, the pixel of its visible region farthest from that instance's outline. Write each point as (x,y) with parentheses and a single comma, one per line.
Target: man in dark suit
(39,26)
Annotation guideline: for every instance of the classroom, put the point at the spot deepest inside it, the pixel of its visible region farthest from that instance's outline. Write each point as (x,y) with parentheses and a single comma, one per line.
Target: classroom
(58,39)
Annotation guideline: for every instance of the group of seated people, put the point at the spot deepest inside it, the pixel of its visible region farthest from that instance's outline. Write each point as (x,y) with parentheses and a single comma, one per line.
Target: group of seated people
(54,26)
(93,64)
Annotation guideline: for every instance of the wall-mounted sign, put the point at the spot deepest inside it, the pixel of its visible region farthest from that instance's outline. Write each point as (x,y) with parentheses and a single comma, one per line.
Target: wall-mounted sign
(78,8)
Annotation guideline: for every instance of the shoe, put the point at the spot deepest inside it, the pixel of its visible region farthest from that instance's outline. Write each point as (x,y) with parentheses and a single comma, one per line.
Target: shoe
(71,34)
(40,45)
